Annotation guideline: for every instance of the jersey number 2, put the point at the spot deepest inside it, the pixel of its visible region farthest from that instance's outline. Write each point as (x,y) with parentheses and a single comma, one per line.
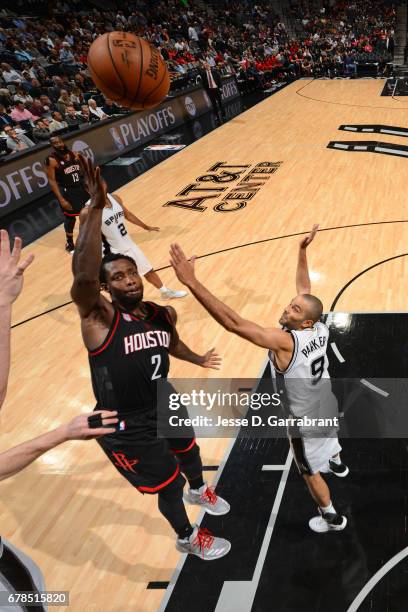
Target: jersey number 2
(156,360)
(122,229)
(317,368)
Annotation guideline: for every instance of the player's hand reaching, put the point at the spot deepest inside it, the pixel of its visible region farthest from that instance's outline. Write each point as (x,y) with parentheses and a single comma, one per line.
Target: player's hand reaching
(304,243)
(83,426)
(183,267)
(211,360)
(11,269)
(94,183)
(152,228)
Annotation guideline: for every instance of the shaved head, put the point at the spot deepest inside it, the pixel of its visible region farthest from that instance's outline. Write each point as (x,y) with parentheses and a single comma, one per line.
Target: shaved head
(314,306)
(302,312)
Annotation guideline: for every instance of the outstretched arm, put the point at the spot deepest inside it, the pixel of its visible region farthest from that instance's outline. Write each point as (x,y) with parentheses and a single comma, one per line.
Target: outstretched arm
(129,216)
(11,284)
(272,338)
(85,290)
(16,459)
(303,284)
(178,349)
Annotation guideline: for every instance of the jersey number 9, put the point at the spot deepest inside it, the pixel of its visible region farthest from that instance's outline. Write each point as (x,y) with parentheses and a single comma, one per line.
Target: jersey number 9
(317,369)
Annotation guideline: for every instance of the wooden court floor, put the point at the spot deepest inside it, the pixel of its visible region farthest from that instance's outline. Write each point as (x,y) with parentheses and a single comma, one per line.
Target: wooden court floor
(87,529)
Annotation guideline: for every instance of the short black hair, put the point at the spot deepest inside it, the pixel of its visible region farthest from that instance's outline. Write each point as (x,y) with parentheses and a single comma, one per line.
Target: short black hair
(315,306)
(107,259)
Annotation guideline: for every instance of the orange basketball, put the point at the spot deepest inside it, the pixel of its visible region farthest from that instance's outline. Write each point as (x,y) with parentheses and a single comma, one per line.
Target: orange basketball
(128,70)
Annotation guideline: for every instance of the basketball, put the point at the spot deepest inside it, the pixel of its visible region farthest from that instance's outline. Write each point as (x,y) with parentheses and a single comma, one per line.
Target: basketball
(128,70)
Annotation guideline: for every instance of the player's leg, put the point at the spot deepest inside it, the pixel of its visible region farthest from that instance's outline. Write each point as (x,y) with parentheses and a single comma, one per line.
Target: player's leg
(152,469)
(187,453)
(309,455)
(145,269)
(69,224)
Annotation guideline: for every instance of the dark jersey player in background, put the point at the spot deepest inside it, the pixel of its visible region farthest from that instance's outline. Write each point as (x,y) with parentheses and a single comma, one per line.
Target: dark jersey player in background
(129,342)
(66,181)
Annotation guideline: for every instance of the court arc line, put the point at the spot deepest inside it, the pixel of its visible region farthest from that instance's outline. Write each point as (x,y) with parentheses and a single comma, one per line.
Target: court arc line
(297,92)
(347,285)
(236,247)
(337,352)
(365,382)
(367,588)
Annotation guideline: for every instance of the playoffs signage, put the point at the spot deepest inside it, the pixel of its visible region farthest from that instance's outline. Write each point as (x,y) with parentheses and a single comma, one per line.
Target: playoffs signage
(23,179)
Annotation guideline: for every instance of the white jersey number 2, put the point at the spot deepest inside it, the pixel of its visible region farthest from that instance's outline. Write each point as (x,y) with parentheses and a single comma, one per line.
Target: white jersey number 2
(156,360)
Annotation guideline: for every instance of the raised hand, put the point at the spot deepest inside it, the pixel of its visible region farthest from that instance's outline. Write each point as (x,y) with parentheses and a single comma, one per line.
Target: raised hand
(94,183)
(11,269)
(304,243)
(211,360)
(183,267)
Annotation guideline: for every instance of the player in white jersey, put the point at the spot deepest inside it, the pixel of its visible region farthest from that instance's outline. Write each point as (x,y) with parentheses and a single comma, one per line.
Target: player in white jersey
(116,235)
(297,353)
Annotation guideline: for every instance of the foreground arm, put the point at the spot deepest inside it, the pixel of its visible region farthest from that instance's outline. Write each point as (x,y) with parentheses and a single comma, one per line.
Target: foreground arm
(303,284)
(271,338)
(16,459)
(11,284)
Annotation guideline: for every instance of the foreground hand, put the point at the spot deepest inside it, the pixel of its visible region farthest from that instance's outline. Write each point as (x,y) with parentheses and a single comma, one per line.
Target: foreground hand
(183,267)
(304,243)
(151,228)
(78,428)
(211,360)
(11,269)
(94,183)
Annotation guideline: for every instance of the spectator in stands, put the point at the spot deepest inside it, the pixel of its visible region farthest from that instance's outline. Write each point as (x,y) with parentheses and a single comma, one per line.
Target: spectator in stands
(57,123)
(35,88)
(86,116)
(72,118)
(57,87)
(65,100)
(22,96)
(41,132)
(96,110)
(17,142)
(5,118)
(211,81)
(66,56)
(110,108)
(47,105)
(21,113)
(9,75)
(83,82)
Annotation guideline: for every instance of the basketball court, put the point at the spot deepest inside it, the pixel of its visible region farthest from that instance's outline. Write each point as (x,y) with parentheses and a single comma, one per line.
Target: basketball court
(326,152)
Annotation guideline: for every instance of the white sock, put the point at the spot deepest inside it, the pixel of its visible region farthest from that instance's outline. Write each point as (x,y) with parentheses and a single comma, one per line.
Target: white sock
(328,509)
(163,289)
(336,459)
(200,490)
